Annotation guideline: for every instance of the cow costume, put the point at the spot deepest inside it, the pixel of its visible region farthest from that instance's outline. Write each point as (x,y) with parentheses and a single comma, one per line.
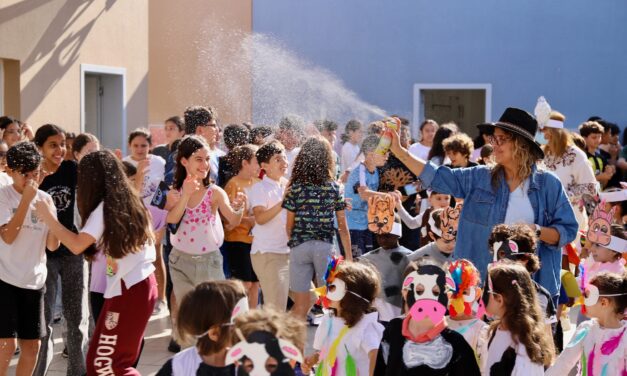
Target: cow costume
(439,350)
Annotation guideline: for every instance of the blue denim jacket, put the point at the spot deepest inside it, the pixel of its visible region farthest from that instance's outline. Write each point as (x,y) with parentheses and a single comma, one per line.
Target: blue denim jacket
(485,207)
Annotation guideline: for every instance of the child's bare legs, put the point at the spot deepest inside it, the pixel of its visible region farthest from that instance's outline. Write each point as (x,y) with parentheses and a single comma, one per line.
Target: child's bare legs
(252,291)
(302,304)
(160,267)
(7,349)
(29,349)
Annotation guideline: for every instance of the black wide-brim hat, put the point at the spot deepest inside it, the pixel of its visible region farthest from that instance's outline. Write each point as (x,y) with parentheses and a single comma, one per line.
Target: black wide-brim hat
(516,121)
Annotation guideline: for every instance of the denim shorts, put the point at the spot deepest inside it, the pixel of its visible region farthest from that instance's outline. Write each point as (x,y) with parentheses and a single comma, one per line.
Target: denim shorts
(307,258)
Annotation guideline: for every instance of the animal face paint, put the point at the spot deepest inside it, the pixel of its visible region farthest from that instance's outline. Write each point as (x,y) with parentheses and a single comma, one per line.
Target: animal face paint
(426,293)
(263,354)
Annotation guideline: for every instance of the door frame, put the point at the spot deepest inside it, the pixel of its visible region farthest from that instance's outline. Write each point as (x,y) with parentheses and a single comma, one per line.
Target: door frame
(108,70)
(419,103)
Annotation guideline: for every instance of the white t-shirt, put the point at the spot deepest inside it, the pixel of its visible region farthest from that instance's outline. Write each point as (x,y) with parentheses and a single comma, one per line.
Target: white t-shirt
(519,209)
(23,263)
(5,179)
(154,174)
(502,341)
(132,268)
(349,155)
(362,338)
(419,150)
(270,237)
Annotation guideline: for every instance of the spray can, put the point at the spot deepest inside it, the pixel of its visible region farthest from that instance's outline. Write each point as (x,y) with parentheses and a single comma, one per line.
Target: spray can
(392,124)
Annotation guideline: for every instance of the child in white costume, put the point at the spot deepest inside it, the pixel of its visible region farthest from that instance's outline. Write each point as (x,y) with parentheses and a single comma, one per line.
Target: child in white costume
(599,344)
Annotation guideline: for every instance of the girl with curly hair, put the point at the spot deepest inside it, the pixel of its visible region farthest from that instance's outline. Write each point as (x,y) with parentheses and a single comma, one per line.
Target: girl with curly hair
(313,203)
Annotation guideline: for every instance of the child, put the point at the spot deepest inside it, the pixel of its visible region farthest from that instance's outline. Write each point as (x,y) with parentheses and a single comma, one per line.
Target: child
(283,338)
(195,256)
(466,307)
(151,168)
(518,243)
(348,340)
(517,341)
(351,138)
(312,203)
(362,183)
(150,172)
(234,135)
(420,343)
(442,229)
(174,130)
(606,242)
(206,313)
(114,218)
(458,149)
(592,132)
(24,239)
(599,344)
(269,252)
(390,260)
(436,201)
(59,180)
(487,155)
(237,239)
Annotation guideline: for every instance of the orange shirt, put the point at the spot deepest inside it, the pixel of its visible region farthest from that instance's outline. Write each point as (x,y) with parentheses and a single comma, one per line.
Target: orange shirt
(240,233)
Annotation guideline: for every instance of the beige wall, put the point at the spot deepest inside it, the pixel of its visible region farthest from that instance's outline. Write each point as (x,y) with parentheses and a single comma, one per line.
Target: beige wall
(196,58)
(50,39)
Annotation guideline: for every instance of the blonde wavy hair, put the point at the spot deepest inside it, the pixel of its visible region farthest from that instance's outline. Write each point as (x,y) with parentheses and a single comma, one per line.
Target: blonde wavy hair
(522,153)
(561,138)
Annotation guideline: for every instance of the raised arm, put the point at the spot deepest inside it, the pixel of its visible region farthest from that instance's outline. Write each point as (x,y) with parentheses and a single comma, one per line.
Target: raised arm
(11,230)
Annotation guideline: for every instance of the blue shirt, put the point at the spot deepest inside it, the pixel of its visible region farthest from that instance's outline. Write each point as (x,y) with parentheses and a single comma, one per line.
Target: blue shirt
(357,218)
(485,206)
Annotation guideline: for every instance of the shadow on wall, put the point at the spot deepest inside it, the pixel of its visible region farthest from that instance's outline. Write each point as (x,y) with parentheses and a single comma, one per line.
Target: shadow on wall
(62,51)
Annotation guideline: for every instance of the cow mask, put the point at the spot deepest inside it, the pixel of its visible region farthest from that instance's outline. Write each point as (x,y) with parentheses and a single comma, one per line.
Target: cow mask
(426,293)
(263,354)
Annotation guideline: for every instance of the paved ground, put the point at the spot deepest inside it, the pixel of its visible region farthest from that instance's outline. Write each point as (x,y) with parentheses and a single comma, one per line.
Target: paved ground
(155,352)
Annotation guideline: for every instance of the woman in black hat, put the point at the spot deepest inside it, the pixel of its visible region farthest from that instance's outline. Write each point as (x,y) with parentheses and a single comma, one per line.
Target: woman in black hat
(512,191)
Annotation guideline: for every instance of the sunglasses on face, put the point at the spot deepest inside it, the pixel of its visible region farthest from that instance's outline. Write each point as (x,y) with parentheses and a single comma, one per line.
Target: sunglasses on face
(498,140)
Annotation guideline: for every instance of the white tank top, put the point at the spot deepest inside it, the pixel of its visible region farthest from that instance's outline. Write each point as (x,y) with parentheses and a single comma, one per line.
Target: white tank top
(200,231)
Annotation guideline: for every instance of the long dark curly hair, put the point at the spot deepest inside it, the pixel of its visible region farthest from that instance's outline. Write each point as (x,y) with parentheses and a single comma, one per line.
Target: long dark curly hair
(314,164)
(127,225)
(523,317)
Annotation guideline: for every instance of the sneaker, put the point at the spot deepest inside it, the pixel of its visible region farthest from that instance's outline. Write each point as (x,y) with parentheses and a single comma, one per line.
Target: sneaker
(64,353)
(315,315)
(174,347)
(160,306)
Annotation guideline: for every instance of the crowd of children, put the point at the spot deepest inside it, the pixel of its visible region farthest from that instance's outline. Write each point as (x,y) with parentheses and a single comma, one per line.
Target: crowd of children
(311,227)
